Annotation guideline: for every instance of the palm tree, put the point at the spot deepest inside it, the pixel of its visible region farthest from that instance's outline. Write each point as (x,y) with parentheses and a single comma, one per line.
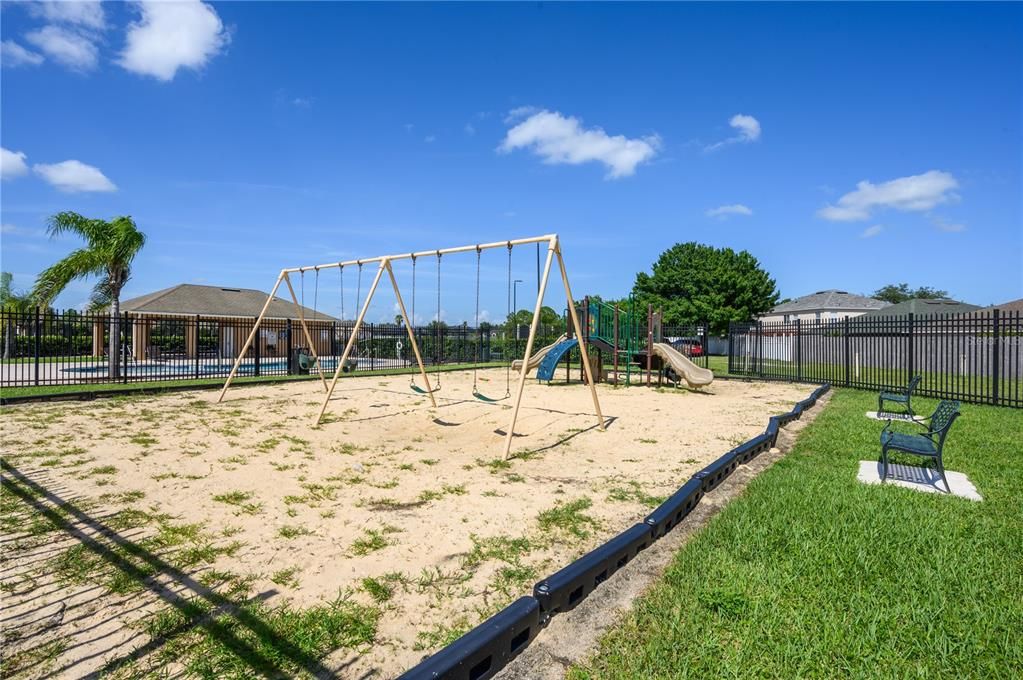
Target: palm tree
(14,304)
(109,250)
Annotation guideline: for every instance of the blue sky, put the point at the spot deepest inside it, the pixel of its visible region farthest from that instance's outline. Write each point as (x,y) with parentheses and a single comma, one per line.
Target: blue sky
(845,146)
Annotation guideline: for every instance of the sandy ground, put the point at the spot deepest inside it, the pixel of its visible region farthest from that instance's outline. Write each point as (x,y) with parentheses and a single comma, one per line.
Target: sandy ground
(387,489)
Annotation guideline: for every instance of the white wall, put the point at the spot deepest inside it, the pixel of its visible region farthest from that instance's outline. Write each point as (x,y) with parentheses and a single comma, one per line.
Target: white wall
(824,315)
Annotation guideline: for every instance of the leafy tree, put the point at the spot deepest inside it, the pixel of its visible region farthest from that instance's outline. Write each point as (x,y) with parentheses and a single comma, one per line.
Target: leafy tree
(12,302)
(900,292)
(548,318)
(692,282)
(110,247)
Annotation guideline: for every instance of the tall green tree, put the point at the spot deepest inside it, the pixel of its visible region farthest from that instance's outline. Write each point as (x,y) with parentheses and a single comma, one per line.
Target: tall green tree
(110,248)
(900,292)
(12,302)
(692,282)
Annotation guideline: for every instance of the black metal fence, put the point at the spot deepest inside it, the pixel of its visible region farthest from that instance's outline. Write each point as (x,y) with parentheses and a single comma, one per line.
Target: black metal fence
(971,357)
(46,347)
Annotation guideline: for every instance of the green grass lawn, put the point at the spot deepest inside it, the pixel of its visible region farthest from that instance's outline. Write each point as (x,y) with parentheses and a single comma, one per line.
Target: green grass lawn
(812,574)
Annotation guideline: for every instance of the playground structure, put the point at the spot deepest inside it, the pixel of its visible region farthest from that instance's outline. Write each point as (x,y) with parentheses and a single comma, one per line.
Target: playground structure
(632,342)
(384,265)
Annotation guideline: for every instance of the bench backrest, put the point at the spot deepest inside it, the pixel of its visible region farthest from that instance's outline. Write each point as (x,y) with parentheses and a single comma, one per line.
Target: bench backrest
(943,417)
(912,385)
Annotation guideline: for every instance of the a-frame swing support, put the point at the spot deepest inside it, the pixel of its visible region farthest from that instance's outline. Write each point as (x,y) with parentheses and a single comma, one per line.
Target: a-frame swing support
(553,250)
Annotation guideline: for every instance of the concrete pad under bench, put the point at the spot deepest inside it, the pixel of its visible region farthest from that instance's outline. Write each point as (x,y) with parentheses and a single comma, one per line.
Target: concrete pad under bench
(901,417)
(918,478)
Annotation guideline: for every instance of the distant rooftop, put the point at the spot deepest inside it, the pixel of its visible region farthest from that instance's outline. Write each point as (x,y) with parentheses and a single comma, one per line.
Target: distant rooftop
(1011,306)
(831,300)
(922,307)
(188,299)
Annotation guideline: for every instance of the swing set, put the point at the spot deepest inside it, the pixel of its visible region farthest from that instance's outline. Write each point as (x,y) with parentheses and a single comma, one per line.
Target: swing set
(553,249)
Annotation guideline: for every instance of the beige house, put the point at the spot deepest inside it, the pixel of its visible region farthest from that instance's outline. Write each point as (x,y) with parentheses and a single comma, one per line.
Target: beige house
(824,305)
(214,320)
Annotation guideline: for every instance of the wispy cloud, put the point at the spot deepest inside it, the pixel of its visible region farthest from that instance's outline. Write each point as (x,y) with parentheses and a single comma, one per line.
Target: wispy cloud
(871,232)
(559,139)
(13,55)
(747,130)
(172,35)
(74,176)
(469,129)
(430,139)
(80,12)
(944,225)
(67,47)
(915,193)
(12,164)
(725,211)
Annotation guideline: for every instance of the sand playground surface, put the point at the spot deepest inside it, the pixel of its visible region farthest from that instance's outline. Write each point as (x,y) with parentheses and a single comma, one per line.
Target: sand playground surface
(169,534)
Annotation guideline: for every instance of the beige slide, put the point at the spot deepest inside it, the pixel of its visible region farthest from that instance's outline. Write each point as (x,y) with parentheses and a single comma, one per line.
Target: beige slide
(690,372)
(537,357)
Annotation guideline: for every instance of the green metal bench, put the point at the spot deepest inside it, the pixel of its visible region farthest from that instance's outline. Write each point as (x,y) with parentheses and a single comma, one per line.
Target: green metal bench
(929,444)
(901,397)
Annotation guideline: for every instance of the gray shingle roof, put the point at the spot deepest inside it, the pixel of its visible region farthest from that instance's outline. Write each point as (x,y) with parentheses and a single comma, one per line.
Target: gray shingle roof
(188,299)
(829,299)
(1011,306)
(922,307)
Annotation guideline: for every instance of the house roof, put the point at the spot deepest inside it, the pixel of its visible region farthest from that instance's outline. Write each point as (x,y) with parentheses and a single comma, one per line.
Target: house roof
(187,299)
(829,299)
(1011,306)
(922,307)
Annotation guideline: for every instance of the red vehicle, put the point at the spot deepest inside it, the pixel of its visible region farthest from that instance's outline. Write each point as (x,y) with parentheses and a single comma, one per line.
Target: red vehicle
(691,347)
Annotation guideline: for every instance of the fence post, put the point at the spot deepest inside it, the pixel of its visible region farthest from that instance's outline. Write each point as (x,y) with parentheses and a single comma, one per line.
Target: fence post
(287,345)
(995,356)
(255,347)
(731,346)
(758,358)
(847,358)
(910,357)
(122,334)
(196,347)
(799,349)
(36,345)
(704,342)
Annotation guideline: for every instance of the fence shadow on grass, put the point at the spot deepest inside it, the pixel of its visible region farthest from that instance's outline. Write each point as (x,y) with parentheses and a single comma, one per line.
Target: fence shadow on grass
(163,580)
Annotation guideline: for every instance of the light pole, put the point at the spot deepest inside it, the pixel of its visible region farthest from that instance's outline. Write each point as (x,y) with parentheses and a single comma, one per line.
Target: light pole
(515,308)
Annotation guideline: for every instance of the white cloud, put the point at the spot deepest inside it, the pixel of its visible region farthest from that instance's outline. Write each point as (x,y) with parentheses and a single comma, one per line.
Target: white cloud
(12,164)
(172,35)
(722,212)
(944,225)
(871,232)
(79,12)
(12,54)
(302,102)
(15,230)
(74,176)
(562,139)
(916,193)
(469,129)
(67,47)
(519,113)
(747,127)
(430,139)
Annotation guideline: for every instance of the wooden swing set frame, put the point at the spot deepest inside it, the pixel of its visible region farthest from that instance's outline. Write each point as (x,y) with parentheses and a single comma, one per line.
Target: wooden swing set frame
(553,249)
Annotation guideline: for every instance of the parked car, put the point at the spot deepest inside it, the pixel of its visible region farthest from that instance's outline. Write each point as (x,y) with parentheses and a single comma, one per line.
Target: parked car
(691,347)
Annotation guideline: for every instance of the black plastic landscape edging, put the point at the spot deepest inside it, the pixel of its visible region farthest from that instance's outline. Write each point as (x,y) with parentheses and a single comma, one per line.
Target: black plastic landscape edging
(490,646)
